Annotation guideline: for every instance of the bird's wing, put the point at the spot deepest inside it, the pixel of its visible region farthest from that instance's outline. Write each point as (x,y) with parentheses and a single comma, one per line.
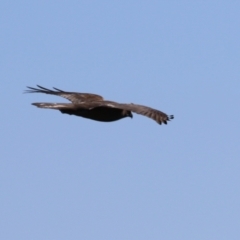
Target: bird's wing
(158,116)
(74,97)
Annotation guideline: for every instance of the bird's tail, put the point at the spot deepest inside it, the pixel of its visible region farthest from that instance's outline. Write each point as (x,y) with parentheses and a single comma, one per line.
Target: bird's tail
(57,106)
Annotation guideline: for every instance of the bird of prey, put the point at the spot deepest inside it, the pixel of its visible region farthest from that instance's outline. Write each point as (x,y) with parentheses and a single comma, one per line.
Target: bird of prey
(94,107)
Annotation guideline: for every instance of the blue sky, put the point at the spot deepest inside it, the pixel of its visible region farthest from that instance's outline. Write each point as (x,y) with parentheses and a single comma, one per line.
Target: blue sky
(65,177)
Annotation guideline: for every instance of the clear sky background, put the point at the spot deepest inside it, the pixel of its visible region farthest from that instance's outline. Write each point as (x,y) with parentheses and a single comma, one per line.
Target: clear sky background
(65,177)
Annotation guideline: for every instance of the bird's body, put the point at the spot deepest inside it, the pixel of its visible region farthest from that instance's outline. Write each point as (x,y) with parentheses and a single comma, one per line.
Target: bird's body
(101,114)
(94,107)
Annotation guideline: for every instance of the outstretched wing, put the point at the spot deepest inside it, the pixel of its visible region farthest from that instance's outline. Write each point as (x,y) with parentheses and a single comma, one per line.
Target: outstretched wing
(74,97)
(158,116)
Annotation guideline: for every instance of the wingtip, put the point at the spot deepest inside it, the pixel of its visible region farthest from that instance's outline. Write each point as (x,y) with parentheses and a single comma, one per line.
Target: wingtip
(165,121)
(27,90)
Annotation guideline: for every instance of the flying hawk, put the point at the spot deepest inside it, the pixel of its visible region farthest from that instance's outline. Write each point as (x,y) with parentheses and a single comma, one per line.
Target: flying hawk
(94,107)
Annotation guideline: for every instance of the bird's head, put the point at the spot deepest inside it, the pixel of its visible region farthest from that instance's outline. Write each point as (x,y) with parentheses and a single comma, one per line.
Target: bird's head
(129,114)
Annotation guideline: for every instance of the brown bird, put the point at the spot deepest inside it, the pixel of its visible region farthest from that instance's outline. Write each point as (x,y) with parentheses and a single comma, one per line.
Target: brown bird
(94,107)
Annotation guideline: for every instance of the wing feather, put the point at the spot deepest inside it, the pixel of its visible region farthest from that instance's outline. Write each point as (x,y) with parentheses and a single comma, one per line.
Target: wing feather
(74,97)
(158,116)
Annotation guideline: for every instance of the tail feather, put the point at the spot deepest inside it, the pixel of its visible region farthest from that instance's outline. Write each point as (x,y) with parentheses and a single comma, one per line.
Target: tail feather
(57,106)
